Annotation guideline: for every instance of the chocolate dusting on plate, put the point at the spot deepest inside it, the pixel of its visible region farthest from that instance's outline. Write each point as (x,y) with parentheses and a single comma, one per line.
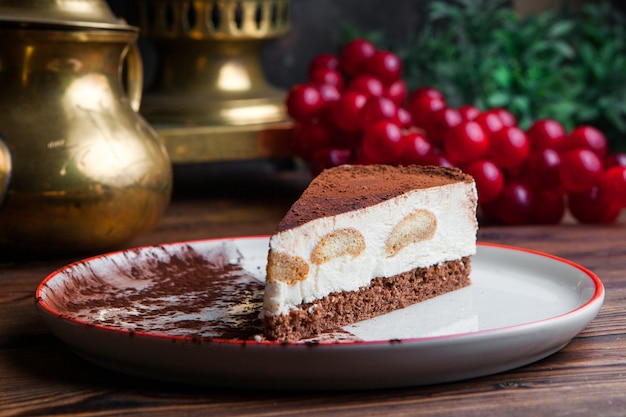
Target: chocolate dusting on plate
(185,294)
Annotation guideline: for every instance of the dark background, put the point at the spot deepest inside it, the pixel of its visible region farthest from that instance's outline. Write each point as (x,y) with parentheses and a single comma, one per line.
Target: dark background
(316,27)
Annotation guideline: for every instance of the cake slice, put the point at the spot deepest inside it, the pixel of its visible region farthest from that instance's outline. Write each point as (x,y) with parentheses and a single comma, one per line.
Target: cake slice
(364,240)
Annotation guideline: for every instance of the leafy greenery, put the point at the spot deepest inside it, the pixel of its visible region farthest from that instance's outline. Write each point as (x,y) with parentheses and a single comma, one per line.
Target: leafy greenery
(569,65)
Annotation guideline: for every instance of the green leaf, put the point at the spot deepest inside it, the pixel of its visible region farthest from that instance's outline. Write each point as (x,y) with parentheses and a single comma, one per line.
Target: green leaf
(498,99)
(503,76)
(561,29)
(564,49)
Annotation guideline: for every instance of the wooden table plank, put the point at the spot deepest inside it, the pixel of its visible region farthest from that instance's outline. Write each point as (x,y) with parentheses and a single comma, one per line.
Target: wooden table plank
(39,375)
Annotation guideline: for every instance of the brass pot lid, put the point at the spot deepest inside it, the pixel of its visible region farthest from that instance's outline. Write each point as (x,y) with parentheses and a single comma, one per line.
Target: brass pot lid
(76,14)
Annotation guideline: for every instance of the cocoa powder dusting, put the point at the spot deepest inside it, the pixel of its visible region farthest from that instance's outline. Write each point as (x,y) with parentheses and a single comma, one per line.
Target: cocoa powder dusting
(184,294)
(352,187)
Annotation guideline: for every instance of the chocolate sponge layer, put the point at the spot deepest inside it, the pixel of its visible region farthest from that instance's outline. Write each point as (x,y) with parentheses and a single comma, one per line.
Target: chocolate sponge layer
(382,296)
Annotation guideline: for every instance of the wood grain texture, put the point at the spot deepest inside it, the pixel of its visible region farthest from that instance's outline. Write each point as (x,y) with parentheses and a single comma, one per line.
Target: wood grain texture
(39,375)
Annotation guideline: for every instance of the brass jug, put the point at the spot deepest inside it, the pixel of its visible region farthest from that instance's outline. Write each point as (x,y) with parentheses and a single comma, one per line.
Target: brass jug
(80,169)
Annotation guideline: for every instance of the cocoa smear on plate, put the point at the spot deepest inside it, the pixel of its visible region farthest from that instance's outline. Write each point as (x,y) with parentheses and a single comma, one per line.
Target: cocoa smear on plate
(185,293)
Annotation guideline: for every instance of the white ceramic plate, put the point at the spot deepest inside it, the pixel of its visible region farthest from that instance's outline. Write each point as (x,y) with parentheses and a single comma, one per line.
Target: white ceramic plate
(145,312)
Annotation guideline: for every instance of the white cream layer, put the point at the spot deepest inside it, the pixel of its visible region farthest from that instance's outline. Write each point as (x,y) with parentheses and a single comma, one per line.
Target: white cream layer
(453,205)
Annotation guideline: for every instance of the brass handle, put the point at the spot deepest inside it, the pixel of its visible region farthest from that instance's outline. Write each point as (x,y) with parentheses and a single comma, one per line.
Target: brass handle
(5,169)
(134,76)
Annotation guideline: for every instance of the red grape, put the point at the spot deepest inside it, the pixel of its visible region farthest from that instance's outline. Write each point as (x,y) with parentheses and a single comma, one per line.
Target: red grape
(323,61)
(404,118)
(546,134)
(354,55)
(542,169)
(376,109)
(382,142)
(368,85)
(426,92)
(384,65)
(347,110)
(397,92)
(422,107)
(506,117)
(329,92)
(465,142)
(580,170)
(514,205)
(328,157)
(613,185)
(490,122)
(304,102)
(586,137)
(469,112)
(440,122)
(438,158)
(415,149)
(327,76)
(489,179)
(592,206)
(509,147)
(547,206)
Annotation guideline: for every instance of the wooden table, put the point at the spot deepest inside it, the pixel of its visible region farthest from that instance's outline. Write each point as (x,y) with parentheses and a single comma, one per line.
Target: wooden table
(39,375)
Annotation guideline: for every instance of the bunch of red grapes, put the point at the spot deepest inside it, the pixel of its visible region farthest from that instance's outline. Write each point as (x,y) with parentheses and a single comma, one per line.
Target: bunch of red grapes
(355,108)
